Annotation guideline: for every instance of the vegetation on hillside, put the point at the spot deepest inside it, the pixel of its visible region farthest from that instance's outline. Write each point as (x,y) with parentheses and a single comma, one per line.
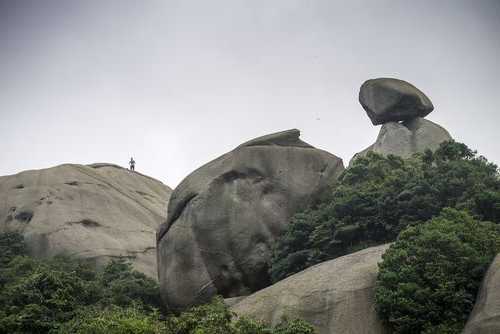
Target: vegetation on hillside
(65,295)
(441,209)
(377,197)
(430,276)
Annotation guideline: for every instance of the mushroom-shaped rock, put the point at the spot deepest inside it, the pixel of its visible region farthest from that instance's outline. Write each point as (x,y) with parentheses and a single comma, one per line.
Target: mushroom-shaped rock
(336,296)
(224,218)
(392,100)
(407,138)
(485,317)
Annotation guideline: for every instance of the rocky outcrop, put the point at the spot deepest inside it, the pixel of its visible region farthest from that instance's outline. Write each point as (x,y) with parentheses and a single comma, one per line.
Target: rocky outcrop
(485,317)
(336,297)
(399,106)
(224,218)
(407,138)
(95,212)
(392,100)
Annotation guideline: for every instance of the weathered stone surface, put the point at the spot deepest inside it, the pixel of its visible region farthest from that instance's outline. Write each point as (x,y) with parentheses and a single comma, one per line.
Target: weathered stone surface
(336,297)
(407,138)
(392,100)
(224,218)
(95,212)
(485,317)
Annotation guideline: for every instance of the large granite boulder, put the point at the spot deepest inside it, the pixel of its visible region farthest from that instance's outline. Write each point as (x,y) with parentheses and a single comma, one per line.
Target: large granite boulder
(224,218)
(485,317)
(95,212)
(336,297)
(392,100)
(407,138)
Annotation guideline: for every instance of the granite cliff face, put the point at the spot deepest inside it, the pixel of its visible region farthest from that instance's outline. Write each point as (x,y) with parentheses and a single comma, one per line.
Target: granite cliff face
(224,218)
(94,212)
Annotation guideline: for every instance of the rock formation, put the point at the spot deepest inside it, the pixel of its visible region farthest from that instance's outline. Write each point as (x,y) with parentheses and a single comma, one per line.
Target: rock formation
(407,138)
(485,317)
(399,106)
(224,217)
(95,212)
(336,296)
(392,100)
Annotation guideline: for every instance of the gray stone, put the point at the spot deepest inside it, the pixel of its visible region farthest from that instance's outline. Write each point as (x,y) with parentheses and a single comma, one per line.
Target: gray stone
(485,317)
(407,138)
(224,218)
(392,100)
(233,301)
(95,212)
(336,297)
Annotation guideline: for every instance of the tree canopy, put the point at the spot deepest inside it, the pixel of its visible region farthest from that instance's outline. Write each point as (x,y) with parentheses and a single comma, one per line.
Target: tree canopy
(429,278)
(377,197)
(65,295)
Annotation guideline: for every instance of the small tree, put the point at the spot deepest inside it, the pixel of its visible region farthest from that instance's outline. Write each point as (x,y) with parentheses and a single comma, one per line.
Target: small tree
(11,245)
(429,278)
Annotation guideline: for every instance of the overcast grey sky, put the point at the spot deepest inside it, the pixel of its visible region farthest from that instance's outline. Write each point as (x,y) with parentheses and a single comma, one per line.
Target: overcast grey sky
(177,83)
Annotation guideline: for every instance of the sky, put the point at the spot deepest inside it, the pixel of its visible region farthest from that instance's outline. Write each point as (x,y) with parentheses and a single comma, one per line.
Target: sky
(176,84)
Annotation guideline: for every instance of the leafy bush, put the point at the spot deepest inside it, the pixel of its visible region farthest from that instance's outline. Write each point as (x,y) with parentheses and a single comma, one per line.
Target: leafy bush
(213,318)
(123,286)
(38,295)
(430,276)
(216,318)
(11,245)
(114,320)
(65,295)
(377,197)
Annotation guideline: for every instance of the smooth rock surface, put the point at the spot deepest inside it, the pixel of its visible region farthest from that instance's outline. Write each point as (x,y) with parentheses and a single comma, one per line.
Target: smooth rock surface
(407,138)
(95,212)
(336,297)
(393,100)
(485,317)
(224,217)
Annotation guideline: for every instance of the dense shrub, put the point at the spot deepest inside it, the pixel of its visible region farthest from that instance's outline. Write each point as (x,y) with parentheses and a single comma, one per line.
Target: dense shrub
(378,196)
(38,295)
(66,296)
(11,245)
(213,318)
(430,276)
(123,286)
(216,318)
(114,320)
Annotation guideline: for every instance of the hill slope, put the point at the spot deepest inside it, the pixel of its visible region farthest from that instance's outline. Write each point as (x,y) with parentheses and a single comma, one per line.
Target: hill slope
(95,212)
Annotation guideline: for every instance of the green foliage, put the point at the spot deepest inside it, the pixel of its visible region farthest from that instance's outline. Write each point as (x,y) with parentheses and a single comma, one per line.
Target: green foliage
(213,318)
(123,286)
(39,295)
(114,320)
(430,276)
(11,245)
(64,295)
(377,197)
(216,318)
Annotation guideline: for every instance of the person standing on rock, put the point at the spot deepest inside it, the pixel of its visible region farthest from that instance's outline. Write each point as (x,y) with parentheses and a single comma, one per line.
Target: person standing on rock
(132,164)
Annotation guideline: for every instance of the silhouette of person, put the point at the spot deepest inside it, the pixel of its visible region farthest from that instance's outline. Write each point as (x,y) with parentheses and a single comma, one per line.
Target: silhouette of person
(132,164)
